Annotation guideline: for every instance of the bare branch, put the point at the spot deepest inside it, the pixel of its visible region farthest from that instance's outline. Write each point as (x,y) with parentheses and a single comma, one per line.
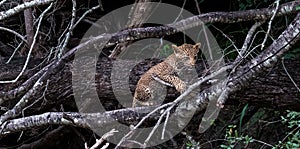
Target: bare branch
(138,14)
(286,71)
(14,32)
(248,38)
(31,48)
(133,34)
(19,8)
(76,119)
(236,16)
(171,105)
(63,45)
(2,2)
(24,100)
(86,13)
(269,24)
(264,61)
(105,136)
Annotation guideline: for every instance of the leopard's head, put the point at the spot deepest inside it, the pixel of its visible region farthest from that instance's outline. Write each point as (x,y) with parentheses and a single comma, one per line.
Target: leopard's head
(187,53)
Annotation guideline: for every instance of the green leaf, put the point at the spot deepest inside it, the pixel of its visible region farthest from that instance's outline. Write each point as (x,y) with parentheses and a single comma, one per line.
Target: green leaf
(223,146)
(242,116)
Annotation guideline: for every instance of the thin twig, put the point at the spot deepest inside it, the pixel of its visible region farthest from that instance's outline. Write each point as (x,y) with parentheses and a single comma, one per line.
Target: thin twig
(232,42)
(181,10)
(282,62)
(31,47)
(154,128)
(165,125)
(15,33)
(70,30)
(105,136)
(172,104)
(24,100)
(257,46)
(13,54)
(86,13)
(248,38)
(156,78)
(269,24)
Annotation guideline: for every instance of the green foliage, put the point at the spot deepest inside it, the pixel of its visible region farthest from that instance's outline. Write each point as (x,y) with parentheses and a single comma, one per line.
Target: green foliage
(167,50)
(249,4)
(292,118)
(242,116)
(294,53)
(292,140)
(191,144)
(232,138)
(245,5)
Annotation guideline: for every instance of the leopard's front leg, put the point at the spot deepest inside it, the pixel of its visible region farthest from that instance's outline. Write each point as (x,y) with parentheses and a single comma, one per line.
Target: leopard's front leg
(176,82)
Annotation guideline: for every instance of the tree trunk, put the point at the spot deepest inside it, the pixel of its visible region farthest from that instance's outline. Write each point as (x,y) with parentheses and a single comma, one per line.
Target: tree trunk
(275,90)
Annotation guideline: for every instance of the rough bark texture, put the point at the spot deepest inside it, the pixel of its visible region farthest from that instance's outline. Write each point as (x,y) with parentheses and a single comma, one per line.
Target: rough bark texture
(272,91)
(28,18)
(139,14)
(44,96)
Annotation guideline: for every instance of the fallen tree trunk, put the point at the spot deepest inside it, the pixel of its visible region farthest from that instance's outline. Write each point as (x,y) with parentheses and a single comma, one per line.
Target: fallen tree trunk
(276,90)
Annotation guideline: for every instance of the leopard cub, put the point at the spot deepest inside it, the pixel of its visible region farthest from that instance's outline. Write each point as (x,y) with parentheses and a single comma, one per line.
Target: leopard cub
(147,88)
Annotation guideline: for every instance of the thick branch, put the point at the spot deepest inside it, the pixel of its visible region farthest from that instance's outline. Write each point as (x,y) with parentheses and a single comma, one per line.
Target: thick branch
(139,33)
(77,119)
(237,16)
(212,17)
(265,61)
(127,35)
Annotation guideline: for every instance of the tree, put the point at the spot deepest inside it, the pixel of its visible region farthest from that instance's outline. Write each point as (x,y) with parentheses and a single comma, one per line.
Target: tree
(37,92)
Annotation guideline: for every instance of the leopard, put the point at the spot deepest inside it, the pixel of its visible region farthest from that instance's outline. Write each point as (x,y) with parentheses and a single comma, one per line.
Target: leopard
(166,73)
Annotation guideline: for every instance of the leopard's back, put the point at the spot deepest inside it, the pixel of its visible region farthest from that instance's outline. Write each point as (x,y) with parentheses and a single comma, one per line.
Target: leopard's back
(146,86)
(148,90)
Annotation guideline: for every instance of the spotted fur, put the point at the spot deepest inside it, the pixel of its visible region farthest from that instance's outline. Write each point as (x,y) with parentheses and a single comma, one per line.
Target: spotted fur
(148,89)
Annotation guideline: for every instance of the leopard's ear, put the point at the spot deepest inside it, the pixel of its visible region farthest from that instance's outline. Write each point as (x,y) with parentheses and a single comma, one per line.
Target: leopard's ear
(197,45)
(175,48)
